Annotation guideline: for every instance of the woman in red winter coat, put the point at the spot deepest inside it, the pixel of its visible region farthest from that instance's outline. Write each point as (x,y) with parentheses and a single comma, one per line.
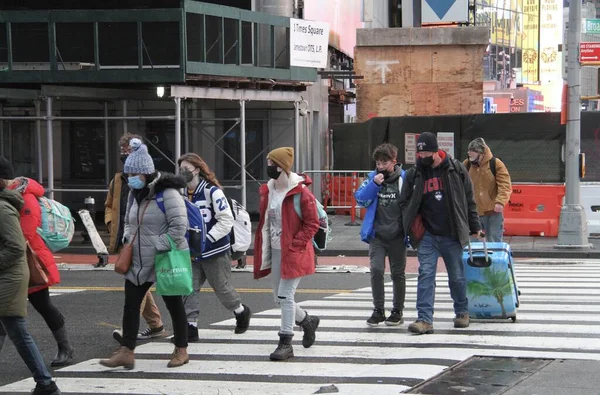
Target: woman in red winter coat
(283,245)
(31,219)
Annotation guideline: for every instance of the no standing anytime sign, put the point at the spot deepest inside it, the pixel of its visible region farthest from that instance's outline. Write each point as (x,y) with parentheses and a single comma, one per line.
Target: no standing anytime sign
(589,53)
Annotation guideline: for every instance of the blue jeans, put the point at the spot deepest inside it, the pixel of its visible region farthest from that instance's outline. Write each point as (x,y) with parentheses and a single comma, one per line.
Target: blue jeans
(493,225)
(430,249)
(16,330)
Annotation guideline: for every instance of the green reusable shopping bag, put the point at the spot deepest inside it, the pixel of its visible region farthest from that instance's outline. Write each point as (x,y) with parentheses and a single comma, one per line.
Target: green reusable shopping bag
(173,271)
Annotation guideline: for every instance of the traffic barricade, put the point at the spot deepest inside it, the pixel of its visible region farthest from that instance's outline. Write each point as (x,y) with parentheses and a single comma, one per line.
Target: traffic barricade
(338,188)
(534,210)
(590,200)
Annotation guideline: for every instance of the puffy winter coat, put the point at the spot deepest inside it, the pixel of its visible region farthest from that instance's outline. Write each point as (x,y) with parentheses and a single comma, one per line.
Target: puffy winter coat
(155,225)
(14,273)
(31,219)
(297,253)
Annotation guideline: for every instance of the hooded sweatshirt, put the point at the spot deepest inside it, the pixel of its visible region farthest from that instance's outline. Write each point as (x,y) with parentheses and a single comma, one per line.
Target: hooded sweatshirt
(388,218)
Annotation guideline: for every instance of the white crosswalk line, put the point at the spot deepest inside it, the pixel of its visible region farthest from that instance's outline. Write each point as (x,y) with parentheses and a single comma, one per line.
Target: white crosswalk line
(58,291)
(195,387)
(558,318)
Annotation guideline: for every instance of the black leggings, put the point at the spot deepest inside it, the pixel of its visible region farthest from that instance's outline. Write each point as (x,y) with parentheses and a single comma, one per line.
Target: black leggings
(131,315)
(41,302)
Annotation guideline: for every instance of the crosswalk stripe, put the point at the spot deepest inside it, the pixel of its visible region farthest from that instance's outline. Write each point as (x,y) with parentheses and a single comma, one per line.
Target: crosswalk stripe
(558,318)
(267,368)
(195,387)
(450,306)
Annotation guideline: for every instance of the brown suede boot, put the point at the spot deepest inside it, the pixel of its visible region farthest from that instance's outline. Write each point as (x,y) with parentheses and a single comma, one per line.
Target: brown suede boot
(179,358)
(122,357)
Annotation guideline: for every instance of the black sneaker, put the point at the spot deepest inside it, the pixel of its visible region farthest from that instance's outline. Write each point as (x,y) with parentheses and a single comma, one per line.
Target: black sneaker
(192,334)
(118,335)
(151,333)
(395,318)
(377,317)
(242,320)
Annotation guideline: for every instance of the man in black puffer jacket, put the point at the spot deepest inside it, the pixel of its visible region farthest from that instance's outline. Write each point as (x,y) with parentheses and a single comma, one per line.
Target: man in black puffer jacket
(439,213)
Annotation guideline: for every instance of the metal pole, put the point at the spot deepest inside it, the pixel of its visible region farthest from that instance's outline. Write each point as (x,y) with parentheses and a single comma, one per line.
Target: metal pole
(243,149)
(124,114)
(297,136)
(38,136)
(572,232)
(186,127)
(50,147)
(106,146)
(177,131)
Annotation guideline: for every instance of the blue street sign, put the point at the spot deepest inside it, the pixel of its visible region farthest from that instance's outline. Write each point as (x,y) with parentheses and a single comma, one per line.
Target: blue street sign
(440,7)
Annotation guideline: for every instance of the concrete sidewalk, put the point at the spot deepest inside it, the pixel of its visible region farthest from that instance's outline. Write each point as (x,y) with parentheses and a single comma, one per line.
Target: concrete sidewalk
(346,242)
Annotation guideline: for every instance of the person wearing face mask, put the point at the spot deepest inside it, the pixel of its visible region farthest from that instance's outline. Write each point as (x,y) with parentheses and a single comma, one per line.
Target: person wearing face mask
(150,230)
(492,185)
(439,214)
(204,190)
(382,230)
(114,214)
(283,245)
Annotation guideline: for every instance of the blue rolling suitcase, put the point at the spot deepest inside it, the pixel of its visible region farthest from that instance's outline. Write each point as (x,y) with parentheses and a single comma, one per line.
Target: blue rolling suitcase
(491,285)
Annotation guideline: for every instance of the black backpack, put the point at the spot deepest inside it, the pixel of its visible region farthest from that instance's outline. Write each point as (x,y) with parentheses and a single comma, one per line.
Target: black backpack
(492,165)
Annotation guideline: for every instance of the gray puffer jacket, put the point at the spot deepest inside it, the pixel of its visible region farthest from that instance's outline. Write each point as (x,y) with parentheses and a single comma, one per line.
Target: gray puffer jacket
(152,236)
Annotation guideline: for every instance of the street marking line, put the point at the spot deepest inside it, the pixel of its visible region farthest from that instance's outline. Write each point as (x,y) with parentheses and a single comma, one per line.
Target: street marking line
(267,368)
(193,387)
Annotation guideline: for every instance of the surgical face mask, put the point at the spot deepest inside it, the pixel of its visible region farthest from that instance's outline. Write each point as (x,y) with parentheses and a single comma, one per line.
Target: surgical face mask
(427,161)
(272,172)
(136,182)
(187,175)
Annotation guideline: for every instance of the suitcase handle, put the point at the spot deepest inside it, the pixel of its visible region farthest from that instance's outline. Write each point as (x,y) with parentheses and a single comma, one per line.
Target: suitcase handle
(478,261)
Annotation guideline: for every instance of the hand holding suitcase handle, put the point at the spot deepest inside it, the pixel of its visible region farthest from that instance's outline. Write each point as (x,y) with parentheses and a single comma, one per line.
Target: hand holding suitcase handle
(486,262)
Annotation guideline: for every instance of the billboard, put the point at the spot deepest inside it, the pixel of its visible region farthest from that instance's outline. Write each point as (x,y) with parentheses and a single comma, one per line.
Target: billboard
(551,37)
(343,17)
(531,29)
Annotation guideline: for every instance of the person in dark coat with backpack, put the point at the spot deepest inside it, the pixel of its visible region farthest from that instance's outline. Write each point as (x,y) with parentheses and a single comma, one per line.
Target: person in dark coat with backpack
(382,230)
(439,215)
(39,297)
(283,245)
(492,187)
(14,281)
(214,265)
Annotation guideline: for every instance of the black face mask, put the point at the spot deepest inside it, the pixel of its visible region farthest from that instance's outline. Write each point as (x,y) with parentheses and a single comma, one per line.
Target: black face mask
(187,175)
(124,158)
(427,161)
(386,173)
(272,172)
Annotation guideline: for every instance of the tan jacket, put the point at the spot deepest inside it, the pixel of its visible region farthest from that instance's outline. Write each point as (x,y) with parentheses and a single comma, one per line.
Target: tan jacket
(112,210)
(489,190)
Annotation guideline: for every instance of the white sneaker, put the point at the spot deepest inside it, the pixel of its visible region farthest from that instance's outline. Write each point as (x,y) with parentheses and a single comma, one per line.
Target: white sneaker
(118,335)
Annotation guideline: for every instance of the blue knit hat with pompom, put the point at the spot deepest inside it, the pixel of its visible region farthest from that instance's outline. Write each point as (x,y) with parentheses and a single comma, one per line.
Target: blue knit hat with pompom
(139,161)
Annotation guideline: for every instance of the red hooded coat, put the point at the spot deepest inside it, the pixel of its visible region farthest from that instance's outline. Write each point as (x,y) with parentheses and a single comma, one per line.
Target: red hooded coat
(31,219)
(297,253)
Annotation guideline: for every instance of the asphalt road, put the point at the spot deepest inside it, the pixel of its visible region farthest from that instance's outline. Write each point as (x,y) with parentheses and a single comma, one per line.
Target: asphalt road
(95,310)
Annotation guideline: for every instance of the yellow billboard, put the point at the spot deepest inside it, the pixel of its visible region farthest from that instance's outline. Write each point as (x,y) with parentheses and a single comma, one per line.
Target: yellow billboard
(506,21)
(531,31)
